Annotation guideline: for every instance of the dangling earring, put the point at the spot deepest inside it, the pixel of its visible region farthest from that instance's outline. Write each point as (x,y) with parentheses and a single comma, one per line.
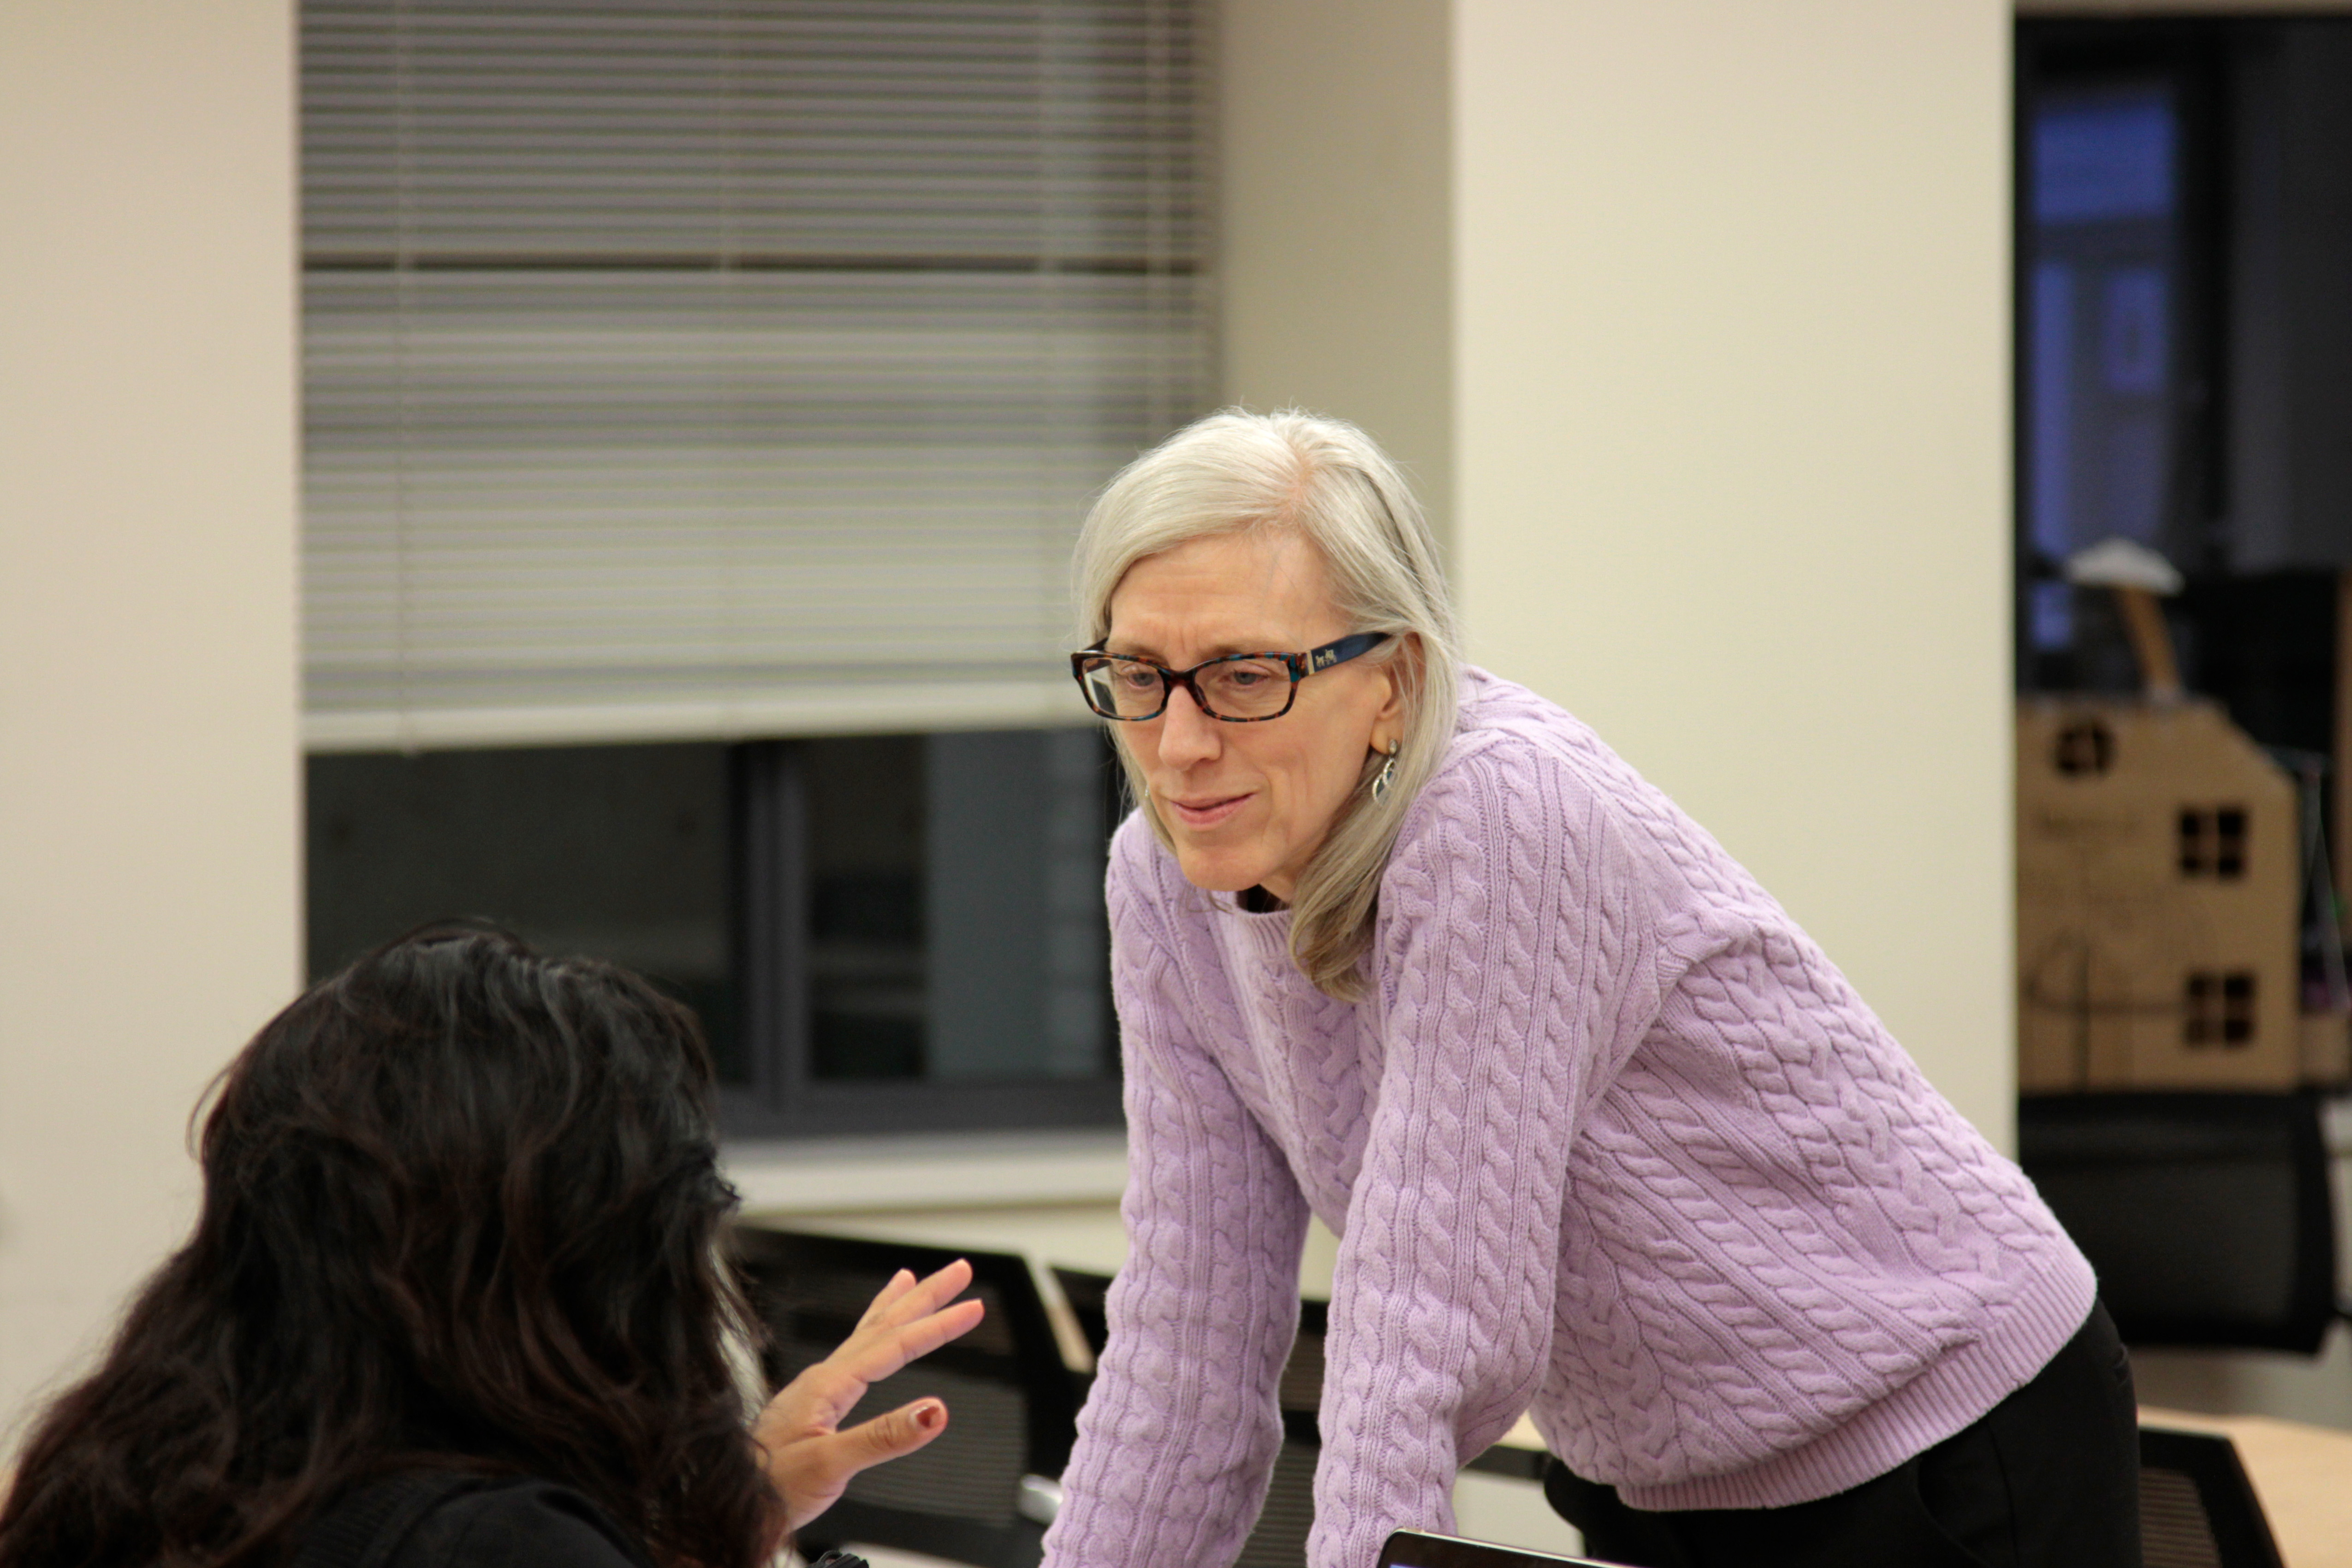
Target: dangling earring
(1386,777)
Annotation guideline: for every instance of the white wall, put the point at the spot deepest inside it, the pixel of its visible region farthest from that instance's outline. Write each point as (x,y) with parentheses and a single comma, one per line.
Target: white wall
(1722,428)
(1732,375)
(1335,247)
(148,893)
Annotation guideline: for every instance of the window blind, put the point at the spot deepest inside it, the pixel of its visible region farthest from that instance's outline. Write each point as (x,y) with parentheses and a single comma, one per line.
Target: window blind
(683,369)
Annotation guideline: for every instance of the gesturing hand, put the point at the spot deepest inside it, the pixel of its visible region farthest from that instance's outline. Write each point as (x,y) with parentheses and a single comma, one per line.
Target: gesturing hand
(807,1457)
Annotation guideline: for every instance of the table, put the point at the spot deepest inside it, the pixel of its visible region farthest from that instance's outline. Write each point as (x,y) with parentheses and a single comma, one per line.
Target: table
(2302,1473)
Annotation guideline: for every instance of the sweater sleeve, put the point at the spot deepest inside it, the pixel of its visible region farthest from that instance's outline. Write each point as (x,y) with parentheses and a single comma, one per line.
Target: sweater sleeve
(1180,1433)
(1509,930)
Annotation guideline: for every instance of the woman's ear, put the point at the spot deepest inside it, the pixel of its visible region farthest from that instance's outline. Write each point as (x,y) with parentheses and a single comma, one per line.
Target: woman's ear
(1399,673)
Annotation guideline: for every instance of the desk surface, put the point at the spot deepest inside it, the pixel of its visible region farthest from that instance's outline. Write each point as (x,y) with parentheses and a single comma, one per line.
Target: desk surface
(2303,1474)
(1522,1435)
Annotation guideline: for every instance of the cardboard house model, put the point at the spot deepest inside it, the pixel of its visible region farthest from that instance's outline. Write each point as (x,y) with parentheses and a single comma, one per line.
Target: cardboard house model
(2157,873)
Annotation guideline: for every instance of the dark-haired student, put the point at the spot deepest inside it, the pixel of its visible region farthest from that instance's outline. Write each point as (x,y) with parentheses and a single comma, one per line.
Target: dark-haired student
(454,1299)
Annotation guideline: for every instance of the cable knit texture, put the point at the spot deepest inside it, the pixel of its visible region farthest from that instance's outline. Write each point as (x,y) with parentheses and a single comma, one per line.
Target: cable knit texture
(1609,1140)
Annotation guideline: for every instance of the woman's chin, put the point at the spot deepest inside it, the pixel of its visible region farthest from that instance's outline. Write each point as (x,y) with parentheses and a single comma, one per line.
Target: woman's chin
(1215,872)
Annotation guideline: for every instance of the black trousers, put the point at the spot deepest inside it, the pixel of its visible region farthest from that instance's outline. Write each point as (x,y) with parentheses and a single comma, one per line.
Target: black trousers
(2048,1479)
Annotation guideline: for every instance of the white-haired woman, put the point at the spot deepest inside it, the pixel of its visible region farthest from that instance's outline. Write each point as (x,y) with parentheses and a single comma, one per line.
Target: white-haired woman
(1604,1136)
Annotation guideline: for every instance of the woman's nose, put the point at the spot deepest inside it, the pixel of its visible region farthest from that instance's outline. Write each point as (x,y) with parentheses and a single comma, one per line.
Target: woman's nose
(1187,735)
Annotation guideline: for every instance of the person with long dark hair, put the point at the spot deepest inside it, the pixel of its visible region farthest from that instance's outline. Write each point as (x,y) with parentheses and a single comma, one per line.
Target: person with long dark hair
(457,1279)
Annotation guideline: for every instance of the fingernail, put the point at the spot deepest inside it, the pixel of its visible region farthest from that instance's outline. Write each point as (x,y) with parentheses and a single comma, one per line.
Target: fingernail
(928,1416)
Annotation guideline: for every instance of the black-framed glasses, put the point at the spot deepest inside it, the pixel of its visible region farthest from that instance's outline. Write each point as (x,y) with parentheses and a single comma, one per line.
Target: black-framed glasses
(1240,688)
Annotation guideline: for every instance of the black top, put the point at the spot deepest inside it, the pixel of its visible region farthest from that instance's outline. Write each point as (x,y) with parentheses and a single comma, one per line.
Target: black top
(454,1521)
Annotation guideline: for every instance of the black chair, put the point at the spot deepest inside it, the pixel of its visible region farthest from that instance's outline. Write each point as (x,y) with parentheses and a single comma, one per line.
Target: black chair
(1278,1539)
(2208,1216)
(1087,1295)
(2197,1509)
(984,1491)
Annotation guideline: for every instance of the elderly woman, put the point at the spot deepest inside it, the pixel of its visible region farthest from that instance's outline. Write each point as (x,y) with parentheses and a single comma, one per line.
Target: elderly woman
(1604,1136)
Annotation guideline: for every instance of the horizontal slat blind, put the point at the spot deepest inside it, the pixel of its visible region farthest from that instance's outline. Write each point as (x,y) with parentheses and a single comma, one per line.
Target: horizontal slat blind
(689,370)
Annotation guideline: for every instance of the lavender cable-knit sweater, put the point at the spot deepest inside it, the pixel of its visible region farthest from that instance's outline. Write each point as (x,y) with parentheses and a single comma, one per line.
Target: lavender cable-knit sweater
(1608,1140)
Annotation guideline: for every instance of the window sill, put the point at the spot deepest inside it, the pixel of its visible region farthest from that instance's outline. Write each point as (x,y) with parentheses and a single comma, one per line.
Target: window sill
(963,1170)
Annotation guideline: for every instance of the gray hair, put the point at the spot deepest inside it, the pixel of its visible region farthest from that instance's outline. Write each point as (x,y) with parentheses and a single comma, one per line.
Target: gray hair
(1236,472)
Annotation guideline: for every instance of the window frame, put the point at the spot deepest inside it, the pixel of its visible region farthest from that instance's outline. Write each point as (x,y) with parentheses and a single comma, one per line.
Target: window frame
(782,1099)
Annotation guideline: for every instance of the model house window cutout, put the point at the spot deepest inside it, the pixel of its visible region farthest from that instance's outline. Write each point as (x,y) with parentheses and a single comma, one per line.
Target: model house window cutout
(2085,746)
(2219,1009)
(2213,842)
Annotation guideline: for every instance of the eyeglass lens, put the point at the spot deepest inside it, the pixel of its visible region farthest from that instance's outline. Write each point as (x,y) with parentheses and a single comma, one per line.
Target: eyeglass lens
(1229,688)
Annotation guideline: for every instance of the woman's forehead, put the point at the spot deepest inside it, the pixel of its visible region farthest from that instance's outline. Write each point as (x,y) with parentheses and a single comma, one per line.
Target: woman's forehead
(1228,592)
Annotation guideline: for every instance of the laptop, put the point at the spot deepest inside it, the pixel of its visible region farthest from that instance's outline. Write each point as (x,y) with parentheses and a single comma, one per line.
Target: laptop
(1412,1549)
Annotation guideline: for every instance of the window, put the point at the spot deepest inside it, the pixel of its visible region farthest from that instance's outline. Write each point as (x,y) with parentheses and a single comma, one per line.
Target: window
(2213,842)
(701,402)
(923,940)
(2182,331)
(2219,1009)
(679,369)
(622,852)
(880,932)
(2086,748)
(2115,296)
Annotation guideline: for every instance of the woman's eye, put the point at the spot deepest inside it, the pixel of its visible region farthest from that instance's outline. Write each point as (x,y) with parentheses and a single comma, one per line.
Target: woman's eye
(1137,679)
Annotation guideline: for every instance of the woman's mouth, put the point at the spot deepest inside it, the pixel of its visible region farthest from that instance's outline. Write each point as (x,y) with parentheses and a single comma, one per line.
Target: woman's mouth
(1202,812)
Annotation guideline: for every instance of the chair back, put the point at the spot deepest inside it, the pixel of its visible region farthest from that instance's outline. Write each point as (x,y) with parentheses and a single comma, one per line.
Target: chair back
(970,1496)
(1279,1538)
(1087,1295)
(2208,1217)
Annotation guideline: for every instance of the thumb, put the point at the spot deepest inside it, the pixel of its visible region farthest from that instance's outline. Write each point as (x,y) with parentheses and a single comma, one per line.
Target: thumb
(899,1432)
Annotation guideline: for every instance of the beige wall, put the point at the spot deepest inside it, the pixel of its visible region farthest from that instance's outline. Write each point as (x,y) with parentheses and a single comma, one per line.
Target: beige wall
(1335,247)
(148,784)
(1725,301)
(1733,373)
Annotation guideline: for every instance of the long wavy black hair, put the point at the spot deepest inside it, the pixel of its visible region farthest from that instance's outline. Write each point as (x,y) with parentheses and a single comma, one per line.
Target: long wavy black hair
(461,1210)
